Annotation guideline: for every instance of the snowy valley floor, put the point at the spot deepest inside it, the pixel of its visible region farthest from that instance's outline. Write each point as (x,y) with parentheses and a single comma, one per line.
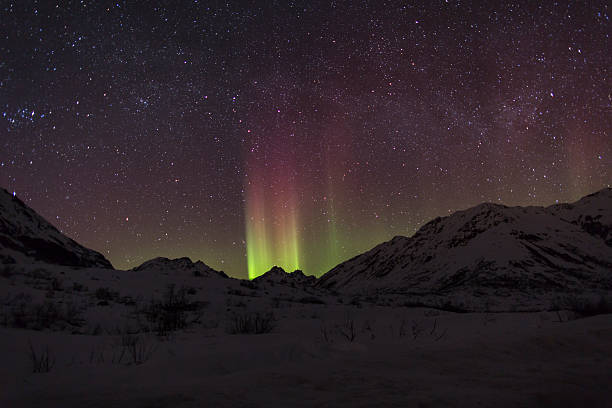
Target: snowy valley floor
(465,360)
(317,349)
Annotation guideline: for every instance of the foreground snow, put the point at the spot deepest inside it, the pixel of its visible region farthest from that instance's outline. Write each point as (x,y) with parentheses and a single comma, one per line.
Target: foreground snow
(504,360)
(323,349)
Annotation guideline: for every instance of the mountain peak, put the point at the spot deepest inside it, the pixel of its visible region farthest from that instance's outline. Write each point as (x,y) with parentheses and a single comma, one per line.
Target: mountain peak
(184,264)
(278,275)
(492,248)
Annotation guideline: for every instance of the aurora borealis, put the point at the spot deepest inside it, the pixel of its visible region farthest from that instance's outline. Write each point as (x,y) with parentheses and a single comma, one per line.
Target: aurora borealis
(271,218)
(298,133)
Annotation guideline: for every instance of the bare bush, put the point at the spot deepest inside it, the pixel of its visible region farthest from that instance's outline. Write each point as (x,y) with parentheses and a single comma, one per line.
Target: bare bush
(20,312)
(42,360)
(136,349)
(402,328)
(251,323)
(348,329)
(173,312)
(46,315)
(417,328)
(17,311)
(325,333)
(72,314)
(96,355)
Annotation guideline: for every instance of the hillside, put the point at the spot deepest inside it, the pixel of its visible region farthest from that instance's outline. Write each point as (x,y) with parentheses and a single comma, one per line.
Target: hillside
(26,237)
(492,249)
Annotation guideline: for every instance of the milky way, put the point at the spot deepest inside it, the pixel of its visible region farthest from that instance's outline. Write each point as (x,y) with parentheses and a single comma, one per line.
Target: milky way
(295,133)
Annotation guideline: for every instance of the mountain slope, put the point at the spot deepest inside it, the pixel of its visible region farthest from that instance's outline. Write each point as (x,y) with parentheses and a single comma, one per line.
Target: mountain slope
(278,275)
(492,248)
(197,268)
(26,237)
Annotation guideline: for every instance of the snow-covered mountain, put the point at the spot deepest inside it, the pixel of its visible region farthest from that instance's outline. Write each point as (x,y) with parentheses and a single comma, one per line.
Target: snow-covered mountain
(26,237)
(184,264)
(492,249)
(593,213)
(278,275)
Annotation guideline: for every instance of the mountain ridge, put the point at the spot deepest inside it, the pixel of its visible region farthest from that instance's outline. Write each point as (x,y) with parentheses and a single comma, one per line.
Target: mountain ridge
(26,237)
(492,247)
(276,274)
(197,268)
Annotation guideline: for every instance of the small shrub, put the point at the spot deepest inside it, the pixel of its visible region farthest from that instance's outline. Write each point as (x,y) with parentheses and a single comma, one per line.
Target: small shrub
(17,311)
(136,349)
(46,315)
(42,361)
(253,323)
(325,333)
(348,329)
(175,311)
(72,314)
(96,355)
(417,329)
(56,284)
(402,328)
(21,313)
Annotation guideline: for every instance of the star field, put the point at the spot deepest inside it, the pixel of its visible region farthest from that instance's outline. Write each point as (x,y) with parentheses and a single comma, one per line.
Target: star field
(299,133)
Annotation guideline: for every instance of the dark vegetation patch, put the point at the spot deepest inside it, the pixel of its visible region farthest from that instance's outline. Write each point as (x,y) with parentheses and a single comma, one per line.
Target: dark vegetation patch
(174,311)
(21,312)
(251,323)
(585,306)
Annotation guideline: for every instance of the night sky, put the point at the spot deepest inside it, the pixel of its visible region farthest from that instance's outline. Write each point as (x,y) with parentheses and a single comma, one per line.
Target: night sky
(300,133)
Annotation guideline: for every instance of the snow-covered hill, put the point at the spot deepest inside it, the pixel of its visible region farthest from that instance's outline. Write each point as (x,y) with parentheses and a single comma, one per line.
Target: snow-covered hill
(492,249)
(166,265)
(26,237)
(278,275)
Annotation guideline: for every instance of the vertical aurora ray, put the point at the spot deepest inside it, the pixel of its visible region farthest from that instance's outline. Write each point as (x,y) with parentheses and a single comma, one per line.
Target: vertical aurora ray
(256,237)
(271,212)
(271,232)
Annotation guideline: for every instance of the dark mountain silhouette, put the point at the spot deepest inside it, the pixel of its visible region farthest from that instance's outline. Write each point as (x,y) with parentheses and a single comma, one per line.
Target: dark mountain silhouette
(184,264)
(26,237)
(278,275)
